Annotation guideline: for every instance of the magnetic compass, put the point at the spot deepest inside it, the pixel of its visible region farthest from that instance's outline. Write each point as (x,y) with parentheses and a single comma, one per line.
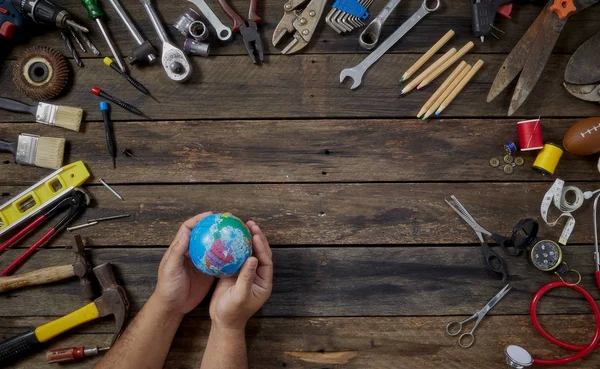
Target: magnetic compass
(546,255)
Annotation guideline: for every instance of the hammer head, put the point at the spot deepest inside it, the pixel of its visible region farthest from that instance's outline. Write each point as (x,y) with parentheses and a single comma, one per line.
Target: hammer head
(82,269)
(113,300)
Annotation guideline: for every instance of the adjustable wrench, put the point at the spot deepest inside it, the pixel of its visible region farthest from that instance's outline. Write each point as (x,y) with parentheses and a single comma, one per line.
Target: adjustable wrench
(370,35)
(357,72)
(223,32)
(174,61)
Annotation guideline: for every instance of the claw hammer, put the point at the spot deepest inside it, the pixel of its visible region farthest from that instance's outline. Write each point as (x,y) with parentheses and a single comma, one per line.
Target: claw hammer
(112,302)
(81,268)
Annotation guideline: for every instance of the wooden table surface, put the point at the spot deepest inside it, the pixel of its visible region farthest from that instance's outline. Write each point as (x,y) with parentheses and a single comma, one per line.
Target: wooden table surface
(370,263)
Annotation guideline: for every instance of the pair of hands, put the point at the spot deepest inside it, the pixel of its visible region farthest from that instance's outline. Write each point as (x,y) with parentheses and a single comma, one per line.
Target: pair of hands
(181,287)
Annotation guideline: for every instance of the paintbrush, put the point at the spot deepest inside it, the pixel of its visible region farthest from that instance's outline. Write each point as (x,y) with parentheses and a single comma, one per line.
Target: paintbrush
(44,152)
(52,115)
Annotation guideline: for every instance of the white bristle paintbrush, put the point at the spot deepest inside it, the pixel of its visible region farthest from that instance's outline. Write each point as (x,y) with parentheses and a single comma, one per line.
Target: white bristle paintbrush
(52,115)
(44,152)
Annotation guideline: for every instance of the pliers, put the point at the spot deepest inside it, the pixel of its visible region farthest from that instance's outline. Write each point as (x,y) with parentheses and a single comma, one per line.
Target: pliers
(248,31)
(300,23)
(584,92)
(76,202)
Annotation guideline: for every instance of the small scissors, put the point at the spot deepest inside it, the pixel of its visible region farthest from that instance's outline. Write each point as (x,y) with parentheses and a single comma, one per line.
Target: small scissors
(467,339)
(493,261)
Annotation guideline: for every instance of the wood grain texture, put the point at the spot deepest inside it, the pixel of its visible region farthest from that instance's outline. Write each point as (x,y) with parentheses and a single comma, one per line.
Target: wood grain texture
(361,281)
(416,342)
(301,151)
(304,86)
(453,15)
(321,214)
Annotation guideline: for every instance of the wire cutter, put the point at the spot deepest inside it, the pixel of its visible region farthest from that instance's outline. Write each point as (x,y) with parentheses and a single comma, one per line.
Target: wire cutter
(76,202)
(248,31)
(300,23)
(530,55)
(584,92)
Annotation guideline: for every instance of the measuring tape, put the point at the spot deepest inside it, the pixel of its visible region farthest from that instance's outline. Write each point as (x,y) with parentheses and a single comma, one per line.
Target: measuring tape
(41,195)
(557,195)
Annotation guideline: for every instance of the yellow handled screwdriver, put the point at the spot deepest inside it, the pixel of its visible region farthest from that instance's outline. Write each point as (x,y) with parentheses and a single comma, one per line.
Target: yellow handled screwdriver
(109,62)
(95,13)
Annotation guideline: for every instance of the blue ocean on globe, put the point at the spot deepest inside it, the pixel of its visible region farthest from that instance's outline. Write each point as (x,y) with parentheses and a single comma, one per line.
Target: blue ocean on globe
(220,244)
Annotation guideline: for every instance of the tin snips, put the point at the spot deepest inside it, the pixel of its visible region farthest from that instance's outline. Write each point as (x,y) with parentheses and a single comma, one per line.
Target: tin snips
(300,19)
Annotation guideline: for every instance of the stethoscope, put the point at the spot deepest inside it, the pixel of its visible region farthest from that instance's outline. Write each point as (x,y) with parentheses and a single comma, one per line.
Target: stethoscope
(519,358)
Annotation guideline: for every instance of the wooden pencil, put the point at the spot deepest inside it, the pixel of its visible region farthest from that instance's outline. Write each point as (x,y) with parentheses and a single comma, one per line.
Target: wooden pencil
(460,86)
(409,87)
(448,91)
(442,88)
(465,49)
(423,59)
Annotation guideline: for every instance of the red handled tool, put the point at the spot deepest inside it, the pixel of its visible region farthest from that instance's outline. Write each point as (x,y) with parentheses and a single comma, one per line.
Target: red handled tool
(76,203)
(248,31)
(67,354)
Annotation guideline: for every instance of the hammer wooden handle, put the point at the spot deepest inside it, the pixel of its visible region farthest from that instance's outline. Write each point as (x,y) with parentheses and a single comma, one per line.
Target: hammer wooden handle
(41,276)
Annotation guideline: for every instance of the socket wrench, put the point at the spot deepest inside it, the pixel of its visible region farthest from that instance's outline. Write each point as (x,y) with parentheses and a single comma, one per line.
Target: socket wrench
(174,60)
(370,35)
(357,72)
(144,52)
(223,32)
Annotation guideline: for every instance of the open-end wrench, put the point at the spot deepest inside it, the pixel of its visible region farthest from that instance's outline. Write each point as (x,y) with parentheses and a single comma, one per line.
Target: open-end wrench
(174,61)
(370,35)
(358,71)
(223,32)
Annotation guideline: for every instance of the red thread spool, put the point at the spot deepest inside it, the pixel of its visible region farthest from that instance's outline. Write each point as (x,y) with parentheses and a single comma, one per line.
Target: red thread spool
(530,135)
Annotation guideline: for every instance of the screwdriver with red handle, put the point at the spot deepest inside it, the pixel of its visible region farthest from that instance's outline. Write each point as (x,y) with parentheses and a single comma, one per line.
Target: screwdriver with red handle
(63,355)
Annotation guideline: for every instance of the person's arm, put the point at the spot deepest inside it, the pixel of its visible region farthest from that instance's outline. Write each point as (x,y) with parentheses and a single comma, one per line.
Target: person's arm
(180,288)
(234,301)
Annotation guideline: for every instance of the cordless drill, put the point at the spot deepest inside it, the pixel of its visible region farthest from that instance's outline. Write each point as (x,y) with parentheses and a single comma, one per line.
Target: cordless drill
(10,19)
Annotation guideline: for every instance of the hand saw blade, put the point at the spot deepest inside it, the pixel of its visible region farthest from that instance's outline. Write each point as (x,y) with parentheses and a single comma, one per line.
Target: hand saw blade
(515,61)
(548,34)
(584,65)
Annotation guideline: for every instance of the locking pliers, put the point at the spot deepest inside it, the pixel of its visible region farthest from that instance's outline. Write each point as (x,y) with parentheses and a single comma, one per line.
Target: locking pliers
(300,22)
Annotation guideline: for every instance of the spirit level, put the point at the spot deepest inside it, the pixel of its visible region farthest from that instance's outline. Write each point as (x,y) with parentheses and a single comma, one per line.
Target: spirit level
(42,195)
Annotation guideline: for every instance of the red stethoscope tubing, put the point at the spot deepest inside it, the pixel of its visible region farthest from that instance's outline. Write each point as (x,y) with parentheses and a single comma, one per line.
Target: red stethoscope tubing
(582,351)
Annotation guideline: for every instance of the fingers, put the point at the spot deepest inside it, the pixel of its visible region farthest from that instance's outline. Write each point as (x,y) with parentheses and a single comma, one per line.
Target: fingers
(243,285)
(263,253)
(180,244)
(256,231)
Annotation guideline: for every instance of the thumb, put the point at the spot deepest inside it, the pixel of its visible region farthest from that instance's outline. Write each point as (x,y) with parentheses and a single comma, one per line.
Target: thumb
(243,286)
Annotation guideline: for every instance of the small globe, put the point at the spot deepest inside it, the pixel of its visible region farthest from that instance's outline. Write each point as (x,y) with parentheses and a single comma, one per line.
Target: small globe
(220,244)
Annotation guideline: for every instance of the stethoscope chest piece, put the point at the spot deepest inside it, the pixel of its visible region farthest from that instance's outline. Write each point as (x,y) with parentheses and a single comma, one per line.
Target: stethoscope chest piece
(517,357)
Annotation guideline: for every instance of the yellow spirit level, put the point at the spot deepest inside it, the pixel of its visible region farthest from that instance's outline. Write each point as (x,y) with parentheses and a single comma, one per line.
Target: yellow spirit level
(41,195)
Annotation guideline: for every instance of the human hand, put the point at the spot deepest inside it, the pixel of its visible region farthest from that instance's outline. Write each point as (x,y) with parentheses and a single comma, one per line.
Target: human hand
(237,298)
(181,287)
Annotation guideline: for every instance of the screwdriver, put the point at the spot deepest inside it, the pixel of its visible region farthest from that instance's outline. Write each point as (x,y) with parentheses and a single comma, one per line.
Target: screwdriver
(95,13)
(98,92)
(67,354)
(109,62)
(108,131)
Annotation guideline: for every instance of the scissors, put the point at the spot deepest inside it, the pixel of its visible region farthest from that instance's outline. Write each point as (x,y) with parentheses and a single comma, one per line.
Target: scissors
(493,261)
(467,339)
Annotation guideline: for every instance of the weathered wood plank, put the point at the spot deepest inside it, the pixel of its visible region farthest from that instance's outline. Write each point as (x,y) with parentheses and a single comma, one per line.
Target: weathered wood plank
(322,214)
(416,342)
(305,86)
(454,14)
(375,281)
(300,151)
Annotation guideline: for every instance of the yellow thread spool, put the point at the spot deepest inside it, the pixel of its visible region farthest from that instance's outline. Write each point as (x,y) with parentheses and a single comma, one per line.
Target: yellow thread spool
(547,160)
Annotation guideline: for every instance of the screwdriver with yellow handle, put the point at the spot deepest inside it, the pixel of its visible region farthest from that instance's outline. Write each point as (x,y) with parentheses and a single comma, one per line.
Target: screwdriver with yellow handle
(110,63)
(95,13)
(67,354)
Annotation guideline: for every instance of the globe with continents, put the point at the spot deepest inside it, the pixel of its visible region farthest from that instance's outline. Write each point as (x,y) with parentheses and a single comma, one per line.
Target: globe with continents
(220,244)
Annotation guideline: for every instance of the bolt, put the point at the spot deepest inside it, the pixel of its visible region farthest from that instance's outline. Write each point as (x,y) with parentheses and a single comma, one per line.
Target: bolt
(288,6)
(305,32)
(303,21)
(312,13)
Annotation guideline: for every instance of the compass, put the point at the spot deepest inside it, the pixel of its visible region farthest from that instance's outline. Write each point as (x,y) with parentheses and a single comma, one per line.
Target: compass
(546,255)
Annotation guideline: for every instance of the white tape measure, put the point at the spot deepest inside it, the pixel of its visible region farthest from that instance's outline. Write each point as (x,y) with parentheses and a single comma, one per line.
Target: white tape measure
(557,195)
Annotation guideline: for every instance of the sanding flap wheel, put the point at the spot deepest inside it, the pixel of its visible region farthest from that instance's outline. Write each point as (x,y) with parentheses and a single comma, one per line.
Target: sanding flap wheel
(41,73)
